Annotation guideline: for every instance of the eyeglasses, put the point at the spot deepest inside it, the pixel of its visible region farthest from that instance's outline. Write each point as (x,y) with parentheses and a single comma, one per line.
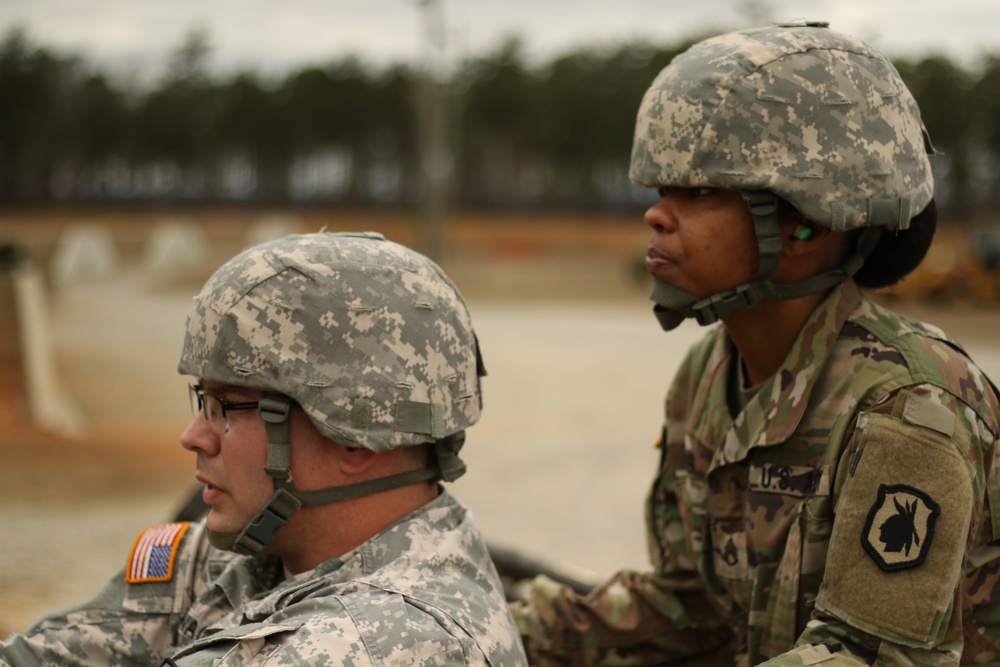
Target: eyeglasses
(214,408)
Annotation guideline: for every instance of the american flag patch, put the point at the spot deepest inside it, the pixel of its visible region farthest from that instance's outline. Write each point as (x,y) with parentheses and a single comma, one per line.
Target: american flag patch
(152,557)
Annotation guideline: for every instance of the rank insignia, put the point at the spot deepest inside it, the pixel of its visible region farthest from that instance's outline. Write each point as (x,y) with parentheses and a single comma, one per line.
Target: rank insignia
(152,557)
(900,527)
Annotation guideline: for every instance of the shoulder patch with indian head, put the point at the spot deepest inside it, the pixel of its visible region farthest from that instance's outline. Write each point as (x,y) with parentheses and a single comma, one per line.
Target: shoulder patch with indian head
(154,552)
(900,530)
(900,527)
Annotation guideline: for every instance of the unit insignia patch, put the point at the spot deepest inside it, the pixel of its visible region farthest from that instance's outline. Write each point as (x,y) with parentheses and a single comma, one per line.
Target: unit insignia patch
(900,527)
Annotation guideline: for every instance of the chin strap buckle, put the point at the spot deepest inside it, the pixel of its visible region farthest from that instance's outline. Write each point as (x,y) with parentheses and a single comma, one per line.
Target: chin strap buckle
(720,306)
(263,527)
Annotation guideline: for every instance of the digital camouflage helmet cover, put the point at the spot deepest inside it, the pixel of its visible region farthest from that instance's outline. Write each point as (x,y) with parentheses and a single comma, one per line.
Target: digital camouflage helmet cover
(371,339)
(798,111)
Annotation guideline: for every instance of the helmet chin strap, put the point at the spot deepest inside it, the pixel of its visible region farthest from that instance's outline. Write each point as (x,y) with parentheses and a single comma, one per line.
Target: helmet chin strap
(674,305)
(275,410)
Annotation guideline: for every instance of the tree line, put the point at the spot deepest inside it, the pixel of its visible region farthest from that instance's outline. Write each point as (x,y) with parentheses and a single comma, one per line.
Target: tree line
(555,134)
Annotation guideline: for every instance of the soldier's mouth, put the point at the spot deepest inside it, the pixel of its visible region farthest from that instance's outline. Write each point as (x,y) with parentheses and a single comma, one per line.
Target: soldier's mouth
(656,260)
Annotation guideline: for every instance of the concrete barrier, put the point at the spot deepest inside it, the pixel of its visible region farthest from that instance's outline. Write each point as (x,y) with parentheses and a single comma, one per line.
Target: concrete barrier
(175,245)
(85,252)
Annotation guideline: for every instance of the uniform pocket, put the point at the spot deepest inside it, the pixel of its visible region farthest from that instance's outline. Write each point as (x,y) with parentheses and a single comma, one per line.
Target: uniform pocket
(791,528)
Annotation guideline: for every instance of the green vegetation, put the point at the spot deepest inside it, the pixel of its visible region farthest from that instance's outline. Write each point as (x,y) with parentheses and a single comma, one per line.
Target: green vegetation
(554,135)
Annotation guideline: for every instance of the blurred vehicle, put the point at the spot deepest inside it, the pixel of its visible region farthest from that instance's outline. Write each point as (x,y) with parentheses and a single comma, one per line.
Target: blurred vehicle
(962,265)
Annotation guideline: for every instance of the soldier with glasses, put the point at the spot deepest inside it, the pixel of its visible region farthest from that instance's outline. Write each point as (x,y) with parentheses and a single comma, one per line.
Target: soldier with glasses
(335,376)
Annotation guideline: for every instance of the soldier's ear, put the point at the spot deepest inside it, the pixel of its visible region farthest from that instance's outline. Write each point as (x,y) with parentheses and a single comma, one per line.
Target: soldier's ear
(799,236)
(355,460)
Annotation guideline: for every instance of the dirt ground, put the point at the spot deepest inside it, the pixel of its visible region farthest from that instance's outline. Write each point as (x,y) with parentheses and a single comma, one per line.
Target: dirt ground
(558,466)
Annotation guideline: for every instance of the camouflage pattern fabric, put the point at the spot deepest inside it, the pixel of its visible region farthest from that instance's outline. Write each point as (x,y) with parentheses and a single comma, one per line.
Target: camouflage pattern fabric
(422,592)
(845,516)
(817,117)
(365,334)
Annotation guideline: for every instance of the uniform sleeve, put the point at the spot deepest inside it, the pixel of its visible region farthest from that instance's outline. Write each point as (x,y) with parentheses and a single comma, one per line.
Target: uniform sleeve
(124,624)
(910,493)
(632,619)
(99,631)
(636,618)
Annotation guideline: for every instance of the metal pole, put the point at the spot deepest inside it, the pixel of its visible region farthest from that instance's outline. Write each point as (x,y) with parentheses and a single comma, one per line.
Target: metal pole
(432,121)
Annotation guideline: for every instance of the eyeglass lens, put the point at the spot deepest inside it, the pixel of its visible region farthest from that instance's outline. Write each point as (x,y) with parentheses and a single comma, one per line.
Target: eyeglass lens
(210,406)
(215,408)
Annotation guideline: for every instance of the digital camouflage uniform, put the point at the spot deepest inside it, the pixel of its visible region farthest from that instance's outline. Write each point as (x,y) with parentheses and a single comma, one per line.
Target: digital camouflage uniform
(422,592)
(772,533)
(845,513)
(374,343)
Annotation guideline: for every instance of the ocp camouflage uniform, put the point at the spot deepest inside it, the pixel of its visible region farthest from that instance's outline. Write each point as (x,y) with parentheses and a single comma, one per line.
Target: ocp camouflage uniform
(848,513)
(422,592)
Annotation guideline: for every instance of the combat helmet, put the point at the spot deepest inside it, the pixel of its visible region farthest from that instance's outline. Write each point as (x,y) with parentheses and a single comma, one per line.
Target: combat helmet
(796,111)
(371,339)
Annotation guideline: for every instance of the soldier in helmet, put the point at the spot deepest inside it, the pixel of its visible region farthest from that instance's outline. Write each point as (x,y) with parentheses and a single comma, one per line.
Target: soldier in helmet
(334,378)
(826,492)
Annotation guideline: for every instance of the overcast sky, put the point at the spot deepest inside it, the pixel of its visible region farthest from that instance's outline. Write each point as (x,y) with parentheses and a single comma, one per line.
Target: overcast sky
(275,35)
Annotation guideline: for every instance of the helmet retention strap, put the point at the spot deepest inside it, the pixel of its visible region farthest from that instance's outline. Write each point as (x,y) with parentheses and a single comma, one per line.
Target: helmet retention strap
(821,282)
(445,466)
(275,410)
(763,207)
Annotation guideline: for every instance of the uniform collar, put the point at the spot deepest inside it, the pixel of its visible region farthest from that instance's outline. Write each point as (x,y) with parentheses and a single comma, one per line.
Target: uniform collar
(772,416)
